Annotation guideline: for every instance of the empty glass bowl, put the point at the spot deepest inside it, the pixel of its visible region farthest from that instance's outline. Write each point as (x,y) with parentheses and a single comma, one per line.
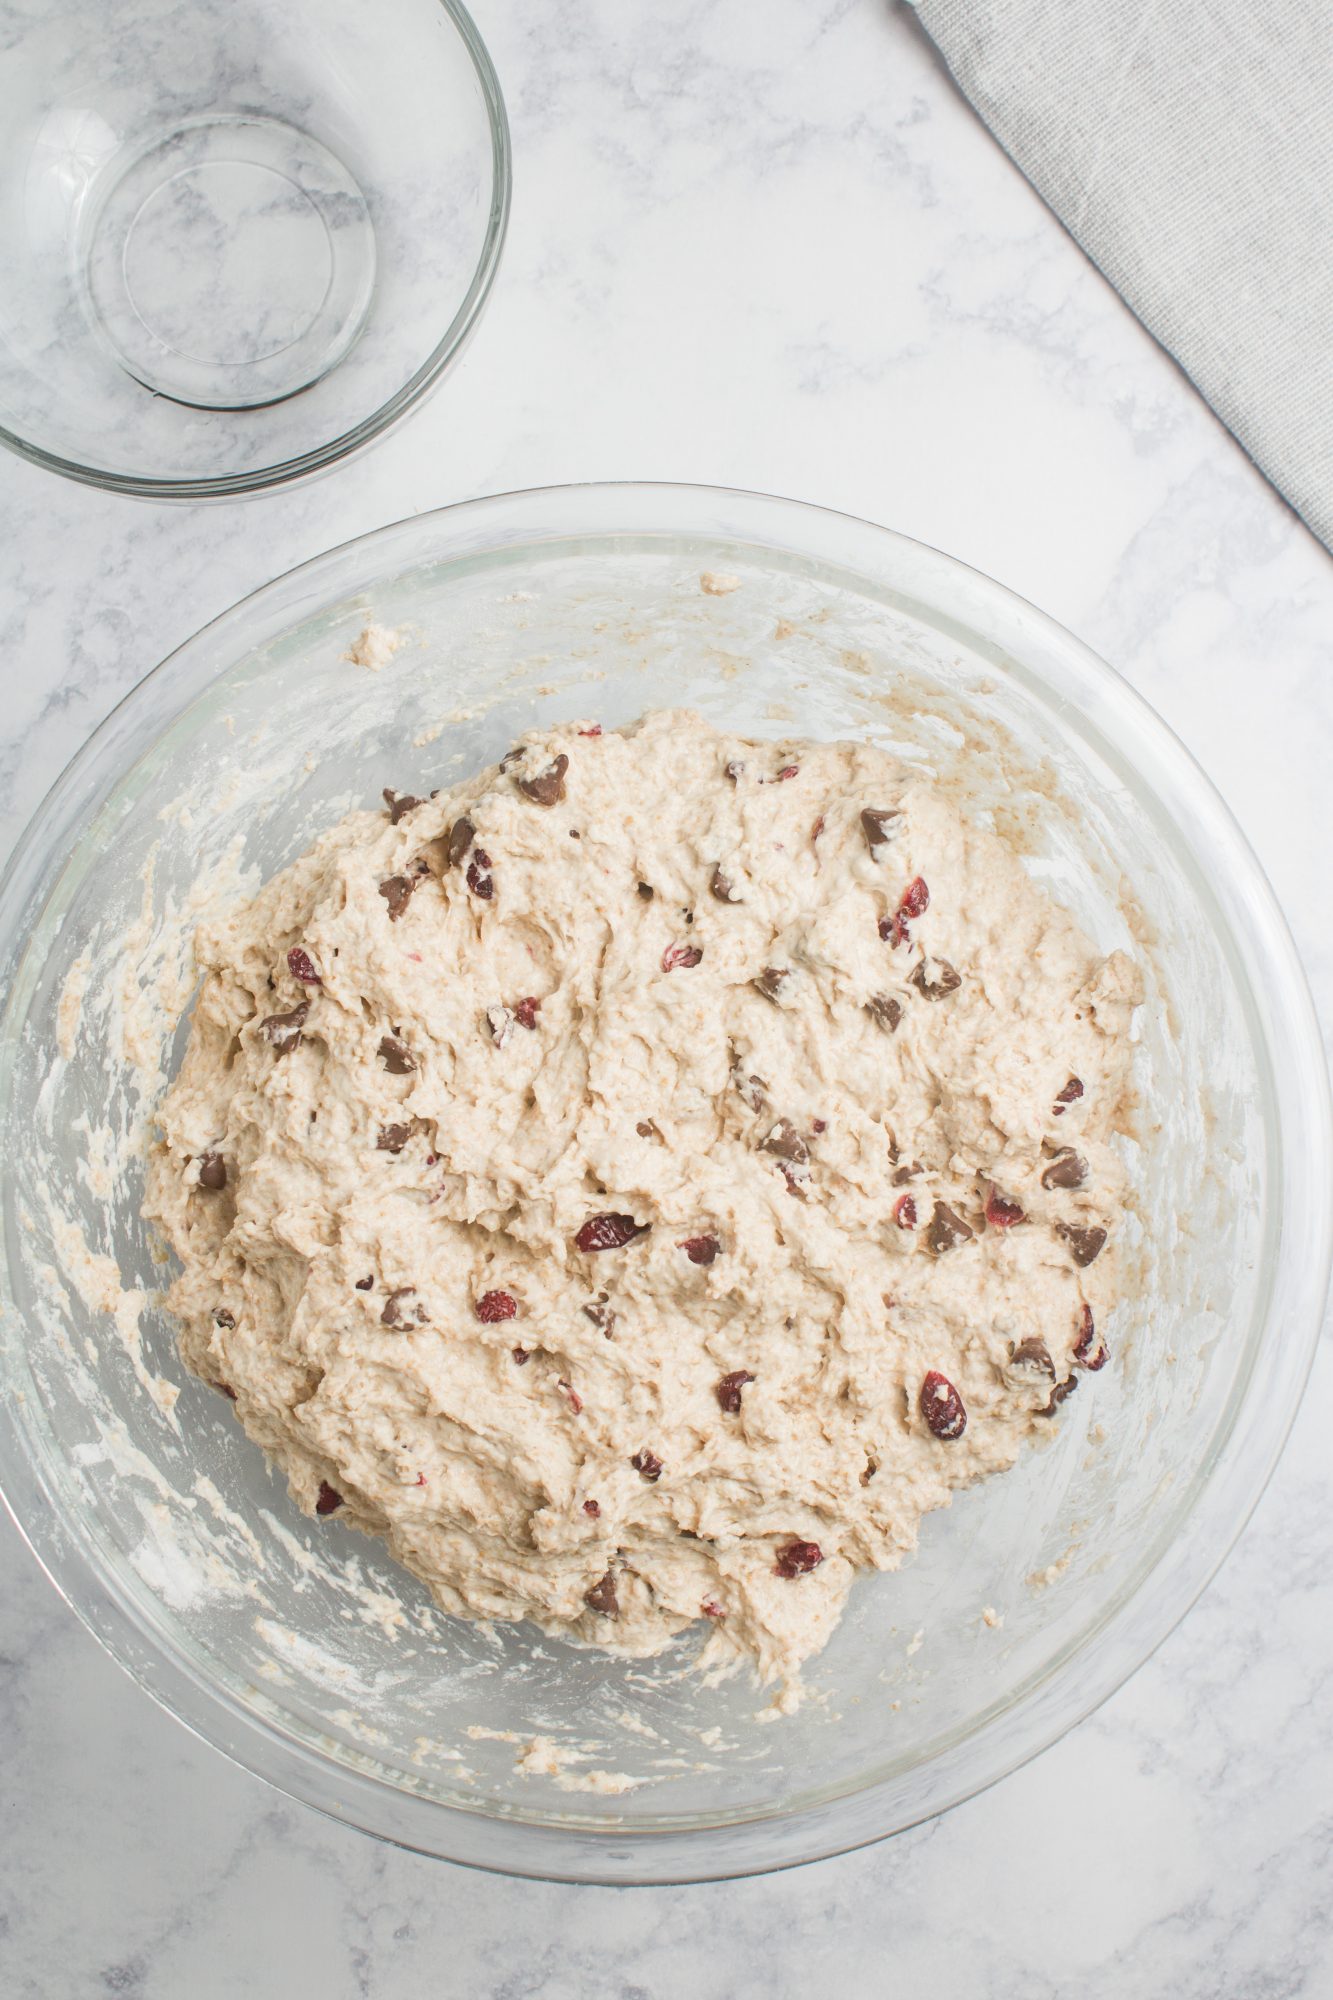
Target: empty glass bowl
(297,1645)
(238,240)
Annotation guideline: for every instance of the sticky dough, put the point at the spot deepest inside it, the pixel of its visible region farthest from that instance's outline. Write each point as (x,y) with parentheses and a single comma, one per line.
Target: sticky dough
(777,1009)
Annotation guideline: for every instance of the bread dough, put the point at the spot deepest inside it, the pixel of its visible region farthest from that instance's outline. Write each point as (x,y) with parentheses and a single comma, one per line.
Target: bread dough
(777,1014)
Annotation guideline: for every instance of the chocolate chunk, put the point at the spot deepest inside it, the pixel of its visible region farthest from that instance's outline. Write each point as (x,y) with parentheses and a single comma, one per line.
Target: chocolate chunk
(1060,1394)
(393,1138)
(877,824)
(400,803)
(398,1314)
(1067,1170)
(398,1058)
(1071,1093)
(945,980)
(225,1389)
(719,885)
(461,836)
(885,1011)
(284,1030)
(601,1315)
(647,1464)
(729,1389)
(1084,1244)
(364,1284)
(223,1318)
(397,893)
(647,1130)
(548,787)
(902,1175)
(786,1142)
(646,891)
(942,1407)
(329,1500)
(946,1230)
(771,981)
(212,1172)
(752,1090)
(602,1597)
(1033,1355)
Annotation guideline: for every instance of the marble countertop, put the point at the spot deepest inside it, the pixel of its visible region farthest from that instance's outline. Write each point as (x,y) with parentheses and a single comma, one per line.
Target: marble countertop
(766,247)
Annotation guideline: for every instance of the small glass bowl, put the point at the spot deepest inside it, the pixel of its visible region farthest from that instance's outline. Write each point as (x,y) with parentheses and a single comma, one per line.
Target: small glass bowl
(238,242)
(298,1646)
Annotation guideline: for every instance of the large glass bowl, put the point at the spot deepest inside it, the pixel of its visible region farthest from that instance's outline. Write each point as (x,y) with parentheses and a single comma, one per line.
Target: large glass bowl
(296,1646)
(238,240)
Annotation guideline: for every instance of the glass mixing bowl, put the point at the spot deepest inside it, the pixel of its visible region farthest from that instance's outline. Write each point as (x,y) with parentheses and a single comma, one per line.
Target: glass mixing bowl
(238,240)
(295,1645)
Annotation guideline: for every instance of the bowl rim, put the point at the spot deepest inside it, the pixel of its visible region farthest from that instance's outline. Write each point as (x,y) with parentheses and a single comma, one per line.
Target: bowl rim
(284,472)
(1250,1449)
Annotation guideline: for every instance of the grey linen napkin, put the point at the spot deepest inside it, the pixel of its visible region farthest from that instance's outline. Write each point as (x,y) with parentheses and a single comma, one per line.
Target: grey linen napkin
(1187,145)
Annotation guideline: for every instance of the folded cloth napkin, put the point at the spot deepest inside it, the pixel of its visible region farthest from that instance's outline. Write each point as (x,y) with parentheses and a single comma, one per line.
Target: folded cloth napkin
(1187,145)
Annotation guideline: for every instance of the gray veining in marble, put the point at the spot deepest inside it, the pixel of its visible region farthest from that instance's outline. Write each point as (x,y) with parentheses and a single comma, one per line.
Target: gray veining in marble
(766,247)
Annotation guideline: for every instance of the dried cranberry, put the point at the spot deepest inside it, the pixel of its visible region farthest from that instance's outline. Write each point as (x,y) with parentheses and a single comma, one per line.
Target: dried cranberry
(786,1143)
(816,830)
(798,1558)
(893,929)
(710,1609)
(595,730)
(329,1501)
(590,1507)
(915,900)
(302,967)
(818,1125)
(492,1307)
(728,1390)
(608,1232)
(648,1464)
(1002,1213)
(700,1249)
(787,771)
(678,955)
(521,1356)
(942,1407)
(478,881)
(571,1395)
(904,1212)
(1084,1353)
(526,1012)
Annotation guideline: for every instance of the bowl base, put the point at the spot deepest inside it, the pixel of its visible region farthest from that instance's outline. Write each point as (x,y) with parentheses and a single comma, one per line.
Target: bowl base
(231,263)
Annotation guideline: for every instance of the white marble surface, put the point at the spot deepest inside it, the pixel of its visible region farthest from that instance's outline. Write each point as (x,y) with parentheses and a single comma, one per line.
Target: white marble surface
(766,246)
